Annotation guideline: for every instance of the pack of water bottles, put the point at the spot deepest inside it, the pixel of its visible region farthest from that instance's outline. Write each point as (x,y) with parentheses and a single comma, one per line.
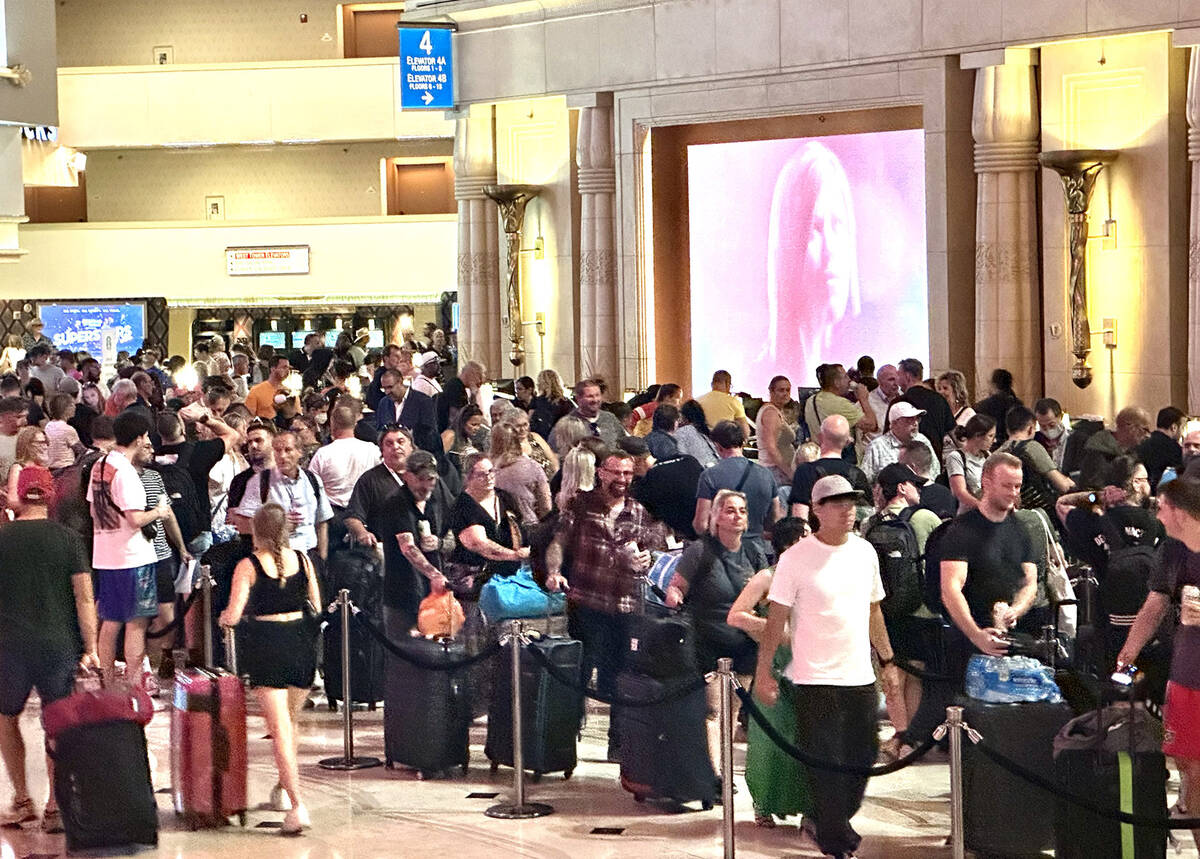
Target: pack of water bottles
(1010,679)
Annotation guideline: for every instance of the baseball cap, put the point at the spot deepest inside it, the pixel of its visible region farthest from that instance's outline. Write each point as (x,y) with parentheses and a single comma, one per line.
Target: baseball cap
(35,484)
(833,487)
(891,476)
(904,409)
(421,463)
(36,323)
(425,358)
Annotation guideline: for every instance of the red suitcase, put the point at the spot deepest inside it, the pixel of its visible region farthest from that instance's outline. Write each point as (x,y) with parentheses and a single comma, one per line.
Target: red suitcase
(208,747)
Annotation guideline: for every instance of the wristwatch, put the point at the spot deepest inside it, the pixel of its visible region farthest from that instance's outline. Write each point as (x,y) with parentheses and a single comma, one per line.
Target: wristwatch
(884,663)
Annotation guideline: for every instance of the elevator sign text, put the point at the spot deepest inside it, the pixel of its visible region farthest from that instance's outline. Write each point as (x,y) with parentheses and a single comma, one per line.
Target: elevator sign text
(426,68)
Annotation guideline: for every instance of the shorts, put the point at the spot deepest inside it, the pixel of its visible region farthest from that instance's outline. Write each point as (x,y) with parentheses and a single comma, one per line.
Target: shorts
(127,594)
(1181,722)
(51,673)
(164,579)
(278,654)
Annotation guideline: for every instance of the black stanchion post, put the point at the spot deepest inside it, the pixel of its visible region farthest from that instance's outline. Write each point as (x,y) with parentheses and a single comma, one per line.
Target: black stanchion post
(519,809)
(347,761)
(206,586)
(725,678)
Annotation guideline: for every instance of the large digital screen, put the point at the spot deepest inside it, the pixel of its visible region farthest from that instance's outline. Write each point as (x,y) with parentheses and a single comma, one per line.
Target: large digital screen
(804,252)
(275,339)
(77,326)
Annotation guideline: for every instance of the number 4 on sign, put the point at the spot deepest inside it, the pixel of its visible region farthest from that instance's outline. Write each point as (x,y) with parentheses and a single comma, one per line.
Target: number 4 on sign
(426,44)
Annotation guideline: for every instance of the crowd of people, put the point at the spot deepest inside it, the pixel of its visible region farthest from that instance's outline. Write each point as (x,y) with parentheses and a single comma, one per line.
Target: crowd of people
(784,507)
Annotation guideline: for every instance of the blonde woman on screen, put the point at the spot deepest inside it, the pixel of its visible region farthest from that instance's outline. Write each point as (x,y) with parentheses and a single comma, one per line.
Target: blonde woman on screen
(812,258)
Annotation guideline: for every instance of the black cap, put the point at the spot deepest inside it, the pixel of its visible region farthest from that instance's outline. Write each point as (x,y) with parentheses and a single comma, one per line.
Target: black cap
(891,476)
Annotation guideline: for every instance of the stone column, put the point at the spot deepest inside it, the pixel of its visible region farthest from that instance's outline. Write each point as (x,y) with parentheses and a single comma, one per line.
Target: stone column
(1193,338)
(1005,127)
(599,337)
(479,335)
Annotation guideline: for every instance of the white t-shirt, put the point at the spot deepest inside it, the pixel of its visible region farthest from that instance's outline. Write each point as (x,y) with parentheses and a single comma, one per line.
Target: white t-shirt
(830,590)
(124,546)
(340,463)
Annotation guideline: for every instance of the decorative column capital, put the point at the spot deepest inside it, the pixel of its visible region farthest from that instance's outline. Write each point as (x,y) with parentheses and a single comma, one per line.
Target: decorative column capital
(1006,157)
(471,187)
(597,180)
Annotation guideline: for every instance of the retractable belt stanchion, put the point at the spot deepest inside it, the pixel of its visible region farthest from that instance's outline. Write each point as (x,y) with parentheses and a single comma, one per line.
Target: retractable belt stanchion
(206,586)
(956,726)
(519,809)
(725,678)
(347,761)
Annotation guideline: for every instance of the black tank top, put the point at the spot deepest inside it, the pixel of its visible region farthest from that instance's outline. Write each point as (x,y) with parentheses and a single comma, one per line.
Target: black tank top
(273,596)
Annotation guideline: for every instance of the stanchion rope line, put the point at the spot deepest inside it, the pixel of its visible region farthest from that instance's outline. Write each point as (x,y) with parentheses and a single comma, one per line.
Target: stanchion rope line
(818,763)
(672,693)
(429,665)
(1040,781)
(179,617)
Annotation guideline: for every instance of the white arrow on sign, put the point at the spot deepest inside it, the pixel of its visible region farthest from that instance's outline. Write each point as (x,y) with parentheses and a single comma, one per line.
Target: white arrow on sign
(426,97)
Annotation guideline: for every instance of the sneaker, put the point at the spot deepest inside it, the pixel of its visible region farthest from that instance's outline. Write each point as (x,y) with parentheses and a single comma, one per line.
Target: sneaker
(150,684)
(280,801)
(18,813)
(52,821)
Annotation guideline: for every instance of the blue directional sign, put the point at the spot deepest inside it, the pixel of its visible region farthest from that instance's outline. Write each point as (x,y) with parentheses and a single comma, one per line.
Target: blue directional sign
(426,68)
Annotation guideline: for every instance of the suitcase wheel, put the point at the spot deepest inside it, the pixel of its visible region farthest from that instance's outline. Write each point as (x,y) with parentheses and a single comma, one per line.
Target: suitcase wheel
(332,706)
(707,805)
(464,766)
(639,797)
(241,816)
(536,777)
(495,767)
(568,773)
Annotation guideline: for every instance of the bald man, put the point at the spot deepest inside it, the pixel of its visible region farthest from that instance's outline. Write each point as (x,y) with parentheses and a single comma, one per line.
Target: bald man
(833,437)
(883,396)
(1132,428)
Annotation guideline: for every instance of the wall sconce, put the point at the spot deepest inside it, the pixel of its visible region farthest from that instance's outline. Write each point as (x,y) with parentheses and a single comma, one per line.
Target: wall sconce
(1078,169)
(512,200)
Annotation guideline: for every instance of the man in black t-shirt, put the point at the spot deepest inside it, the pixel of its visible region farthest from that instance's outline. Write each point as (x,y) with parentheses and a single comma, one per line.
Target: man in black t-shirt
(666,488)
(47,622)
(196,457)
(938,420)
(1161,449)
(833,438)
(989,579)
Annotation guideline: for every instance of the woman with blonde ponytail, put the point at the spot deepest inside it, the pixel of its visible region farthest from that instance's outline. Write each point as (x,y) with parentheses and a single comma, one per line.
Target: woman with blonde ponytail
(273,588)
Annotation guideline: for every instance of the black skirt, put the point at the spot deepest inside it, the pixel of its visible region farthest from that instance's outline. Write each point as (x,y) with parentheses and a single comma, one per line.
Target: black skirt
(279,654)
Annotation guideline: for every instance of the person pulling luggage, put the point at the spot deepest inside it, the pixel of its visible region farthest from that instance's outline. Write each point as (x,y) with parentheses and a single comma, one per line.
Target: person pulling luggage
(277,588)
(47,630)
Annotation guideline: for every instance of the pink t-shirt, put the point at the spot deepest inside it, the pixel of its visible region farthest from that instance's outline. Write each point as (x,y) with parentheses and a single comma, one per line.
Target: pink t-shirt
(62,439)
(118,545)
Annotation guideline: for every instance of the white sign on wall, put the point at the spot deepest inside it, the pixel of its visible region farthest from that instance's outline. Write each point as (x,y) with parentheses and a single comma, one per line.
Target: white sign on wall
(284,259)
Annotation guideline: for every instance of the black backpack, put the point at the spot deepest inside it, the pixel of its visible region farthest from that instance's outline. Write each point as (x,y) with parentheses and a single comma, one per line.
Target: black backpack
(932,578)
(191,511)
(1036,491)
(900,561)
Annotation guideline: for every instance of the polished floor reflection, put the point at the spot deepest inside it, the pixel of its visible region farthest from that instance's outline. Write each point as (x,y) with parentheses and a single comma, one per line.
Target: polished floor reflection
(379,812)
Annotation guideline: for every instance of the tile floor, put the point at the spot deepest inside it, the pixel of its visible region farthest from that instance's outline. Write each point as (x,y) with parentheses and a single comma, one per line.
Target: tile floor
(377,812)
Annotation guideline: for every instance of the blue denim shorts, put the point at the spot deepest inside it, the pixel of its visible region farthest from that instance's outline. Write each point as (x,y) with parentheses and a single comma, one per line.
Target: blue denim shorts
(127,594)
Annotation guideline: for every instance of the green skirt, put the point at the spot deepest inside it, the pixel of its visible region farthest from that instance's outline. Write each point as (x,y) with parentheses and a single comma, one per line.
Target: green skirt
(778,782)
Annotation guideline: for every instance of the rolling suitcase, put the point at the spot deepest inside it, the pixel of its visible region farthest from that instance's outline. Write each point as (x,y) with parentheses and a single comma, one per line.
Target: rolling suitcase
(664,747)
(551,712)
(208,748)
(427,712)
(1117,762)
(101,770)
(360,571)
(1002,815)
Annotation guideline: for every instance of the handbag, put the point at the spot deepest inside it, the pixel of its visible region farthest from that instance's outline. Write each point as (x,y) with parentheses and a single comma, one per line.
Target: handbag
(440,616)
(1058,583)
(518,596)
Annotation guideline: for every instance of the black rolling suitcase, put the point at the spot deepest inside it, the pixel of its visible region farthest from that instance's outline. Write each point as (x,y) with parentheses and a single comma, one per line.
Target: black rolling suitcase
(1118,763)
(664,747)
(551,712)
(427,712)
(1002,814)
(359,570)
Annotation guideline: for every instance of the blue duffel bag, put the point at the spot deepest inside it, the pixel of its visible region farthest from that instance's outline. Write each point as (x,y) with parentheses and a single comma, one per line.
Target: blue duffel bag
(518,597)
